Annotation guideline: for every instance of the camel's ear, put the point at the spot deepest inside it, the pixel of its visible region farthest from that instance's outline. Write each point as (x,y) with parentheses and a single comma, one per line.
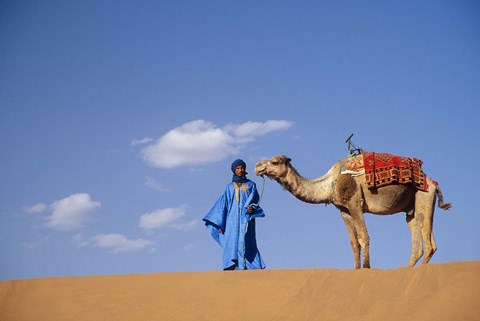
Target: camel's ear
(286,160)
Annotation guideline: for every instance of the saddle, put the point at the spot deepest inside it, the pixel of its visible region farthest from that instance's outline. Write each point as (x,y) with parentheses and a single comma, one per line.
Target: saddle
(381,169)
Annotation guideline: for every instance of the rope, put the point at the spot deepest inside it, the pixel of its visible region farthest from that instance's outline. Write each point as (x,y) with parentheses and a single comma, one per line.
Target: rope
(261,193)
(263,189)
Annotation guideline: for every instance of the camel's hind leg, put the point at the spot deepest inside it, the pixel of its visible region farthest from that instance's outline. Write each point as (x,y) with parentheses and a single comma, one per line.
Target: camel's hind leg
(430,247)
(352,234)
(424,210)
(417,244)
(429,240)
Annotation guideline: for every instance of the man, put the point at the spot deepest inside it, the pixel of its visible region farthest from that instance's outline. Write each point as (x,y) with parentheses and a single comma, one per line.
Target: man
(231,221)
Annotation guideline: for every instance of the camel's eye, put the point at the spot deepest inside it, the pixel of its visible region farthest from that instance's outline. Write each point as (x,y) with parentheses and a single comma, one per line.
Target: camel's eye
(274,162)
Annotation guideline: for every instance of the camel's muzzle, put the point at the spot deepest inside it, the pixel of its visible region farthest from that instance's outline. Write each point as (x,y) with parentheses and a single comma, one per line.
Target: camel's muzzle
(260,169)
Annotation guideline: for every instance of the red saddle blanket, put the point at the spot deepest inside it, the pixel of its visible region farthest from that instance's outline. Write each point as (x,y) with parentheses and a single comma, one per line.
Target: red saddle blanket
(383,169)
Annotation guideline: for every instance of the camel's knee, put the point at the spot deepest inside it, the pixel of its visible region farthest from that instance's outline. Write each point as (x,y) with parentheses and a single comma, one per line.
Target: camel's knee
(364,242)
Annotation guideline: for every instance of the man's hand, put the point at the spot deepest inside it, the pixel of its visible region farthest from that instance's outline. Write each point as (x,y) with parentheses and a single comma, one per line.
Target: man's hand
(220,230)
(250,209)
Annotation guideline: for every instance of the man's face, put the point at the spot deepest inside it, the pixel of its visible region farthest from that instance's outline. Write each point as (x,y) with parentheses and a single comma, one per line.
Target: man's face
(240,170)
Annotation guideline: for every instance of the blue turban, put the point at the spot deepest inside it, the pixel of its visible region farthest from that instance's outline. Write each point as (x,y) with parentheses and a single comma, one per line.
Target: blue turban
(235,178)
(236,163)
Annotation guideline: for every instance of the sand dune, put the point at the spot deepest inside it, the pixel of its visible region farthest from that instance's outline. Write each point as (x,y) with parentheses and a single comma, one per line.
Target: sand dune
(433,292)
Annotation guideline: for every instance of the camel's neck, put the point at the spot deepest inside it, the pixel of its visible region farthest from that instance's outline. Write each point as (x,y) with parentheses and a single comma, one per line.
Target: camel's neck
(317,191)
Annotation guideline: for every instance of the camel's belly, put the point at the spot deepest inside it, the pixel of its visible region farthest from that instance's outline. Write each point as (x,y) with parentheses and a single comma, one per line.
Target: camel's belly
(389,199)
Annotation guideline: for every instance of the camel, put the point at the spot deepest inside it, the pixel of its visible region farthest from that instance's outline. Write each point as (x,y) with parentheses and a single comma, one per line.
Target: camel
(349,194)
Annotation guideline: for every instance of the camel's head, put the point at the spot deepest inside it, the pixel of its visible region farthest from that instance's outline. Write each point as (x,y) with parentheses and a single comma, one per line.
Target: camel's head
(274,168)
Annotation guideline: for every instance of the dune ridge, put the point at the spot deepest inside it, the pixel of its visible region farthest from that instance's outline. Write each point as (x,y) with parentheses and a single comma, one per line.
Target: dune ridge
(448,291)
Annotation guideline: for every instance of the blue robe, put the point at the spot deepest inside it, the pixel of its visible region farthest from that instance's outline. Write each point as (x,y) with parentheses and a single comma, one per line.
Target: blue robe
(230,213)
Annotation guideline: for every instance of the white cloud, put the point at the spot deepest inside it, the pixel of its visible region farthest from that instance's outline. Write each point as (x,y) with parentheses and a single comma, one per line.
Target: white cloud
(142,141)
(250,130)
(35,209)
(119,243)
(71,212)
(200,142)
(161,218)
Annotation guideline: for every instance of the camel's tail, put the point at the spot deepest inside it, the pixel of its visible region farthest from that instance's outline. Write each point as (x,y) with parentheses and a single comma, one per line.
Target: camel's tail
(441,204)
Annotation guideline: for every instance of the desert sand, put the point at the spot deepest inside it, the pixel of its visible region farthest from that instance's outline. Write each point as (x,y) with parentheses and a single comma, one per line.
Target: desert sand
(449,292)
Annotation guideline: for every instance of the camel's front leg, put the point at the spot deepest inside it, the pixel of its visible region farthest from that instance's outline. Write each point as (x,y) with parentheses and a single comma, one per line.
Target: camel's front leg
(352,233)
(362,236)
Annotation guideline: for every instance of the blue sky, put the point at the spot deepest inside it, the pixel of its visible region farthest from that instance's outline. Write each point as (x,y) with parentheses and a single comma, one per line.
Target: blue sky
(119,121)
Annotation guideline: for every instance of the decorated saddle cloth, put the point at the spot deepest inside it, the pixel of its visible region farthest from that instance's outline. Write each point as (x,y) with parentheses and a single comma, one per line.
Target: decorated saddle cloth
(382,169)
(353,165)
